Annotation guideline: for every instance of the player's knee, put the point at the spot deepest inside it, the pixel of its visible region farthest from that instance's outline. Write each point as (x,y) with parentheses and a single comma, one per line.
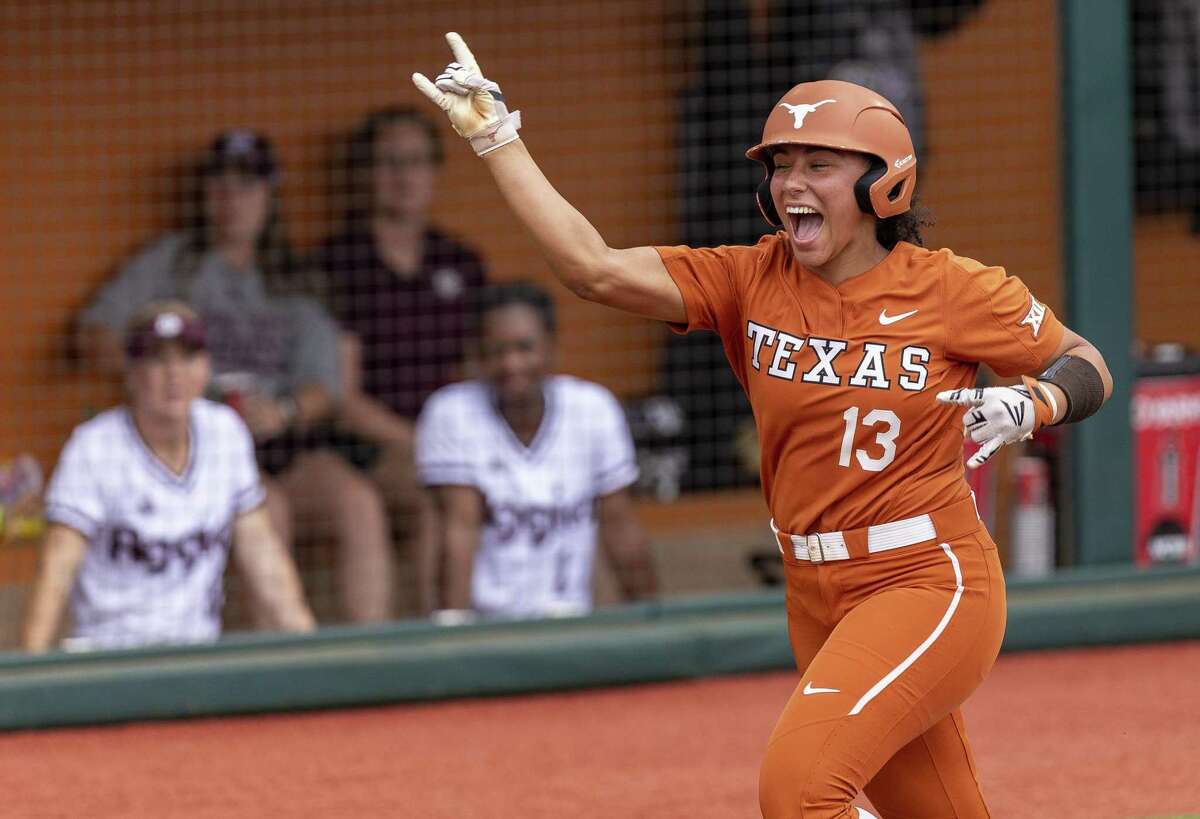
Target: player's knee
(354,492)
(792,785)
(364,498)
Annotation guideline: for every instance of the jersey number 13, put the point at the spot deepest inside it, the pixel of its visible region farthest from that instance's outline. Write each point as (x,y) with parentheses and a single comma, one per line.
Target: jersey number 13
(885,438)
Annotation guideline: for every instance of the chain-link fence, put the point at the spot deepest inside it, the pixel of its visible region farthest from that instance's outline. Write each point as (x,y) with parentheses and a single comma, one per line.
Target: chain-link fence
(272,165)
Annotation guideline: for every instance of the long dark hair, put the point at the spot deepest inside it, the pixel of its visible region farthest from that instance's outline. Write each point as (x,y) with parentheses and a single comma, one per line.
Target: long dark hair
(904,227)
(277,261)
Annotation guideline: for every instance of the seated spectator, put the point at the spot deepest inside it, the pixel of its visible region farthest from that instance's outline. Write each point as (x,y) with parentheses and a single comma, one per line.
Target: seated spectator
(402,292)
(275,356)
(148,500)
(525,467)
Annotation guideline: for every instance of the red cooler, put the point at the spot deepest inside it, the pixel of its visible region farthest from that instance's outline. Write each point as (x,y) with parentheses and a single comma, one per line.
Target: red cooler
(1166,429)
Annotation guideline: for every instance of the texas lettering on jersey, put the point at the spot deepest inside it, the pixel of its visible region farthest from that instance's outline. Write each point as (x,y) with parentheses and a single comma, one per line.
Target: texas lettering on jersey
(842,378)
(867,369)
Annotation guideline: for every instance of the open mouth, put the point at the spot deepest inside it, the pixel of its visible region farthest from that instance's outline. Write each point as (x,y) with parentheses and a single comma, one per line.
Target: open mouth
(804,223)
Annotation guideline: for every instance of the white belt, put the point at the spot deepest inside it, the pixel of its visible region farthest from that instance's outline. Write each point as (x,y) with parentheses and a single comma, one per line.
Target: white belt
(825,546)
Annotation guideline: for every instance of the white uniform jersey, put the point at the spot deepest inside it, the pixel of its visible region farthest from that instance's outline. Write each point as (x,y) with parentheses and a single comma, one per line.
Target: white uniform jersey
(157,541)
(539,535)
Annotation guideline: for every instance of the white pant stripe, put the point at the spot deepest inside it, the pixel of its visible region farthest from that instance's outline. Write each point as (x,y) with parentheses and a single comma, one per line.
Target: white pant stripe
(921,649)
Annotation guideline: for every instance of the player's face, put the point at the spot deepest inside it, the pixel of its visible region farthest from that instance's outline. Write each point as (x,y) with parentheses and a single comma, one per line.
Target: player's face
(163,385)
(820,182)
(517,352)
(404,172)
(236,206)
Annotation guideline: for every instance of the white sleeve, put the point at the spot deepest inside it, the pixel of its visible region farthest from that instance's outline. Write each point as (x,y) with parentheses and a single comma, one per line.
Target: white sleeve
(443,447)
(74,497)
(248,491)
(614,462)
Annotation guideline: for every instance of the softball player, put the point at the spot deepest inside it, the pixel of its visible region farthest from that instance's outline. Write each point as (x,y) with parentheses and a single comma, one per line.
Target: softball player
(528,468)
(858,351)
(146,503)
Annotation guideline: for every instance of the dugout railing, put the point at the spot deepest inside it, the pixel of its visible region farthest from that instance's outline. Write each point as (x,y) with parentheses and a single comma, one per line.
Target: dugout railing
(416,661)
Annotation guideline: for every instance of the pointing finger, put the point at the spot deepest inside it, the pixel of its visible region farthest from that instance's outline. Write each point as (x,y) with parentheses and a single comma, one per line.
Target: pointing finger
(965,398)
(461,53)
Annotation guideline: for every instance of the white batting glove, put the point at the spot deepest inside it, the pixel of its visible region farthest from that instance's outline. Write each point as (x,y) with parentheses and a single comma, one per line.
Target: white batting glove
(1001,415)
(473,103)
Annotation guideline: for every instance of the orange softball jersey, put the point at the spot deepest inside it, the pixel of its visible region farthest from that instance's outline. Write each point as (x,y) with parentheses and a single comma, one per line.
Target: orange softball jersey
(842,379)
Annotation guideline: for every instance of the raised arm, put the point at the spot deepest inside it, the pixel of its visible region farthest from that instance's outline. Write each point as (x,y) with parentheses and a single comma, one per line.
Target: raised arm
(268,568)
(633,279)
(62,551)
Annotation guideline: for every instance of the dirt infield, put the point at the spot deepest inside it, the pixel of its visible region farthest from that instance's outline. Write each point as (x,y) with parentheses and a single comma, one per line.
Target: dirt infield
(1091,733)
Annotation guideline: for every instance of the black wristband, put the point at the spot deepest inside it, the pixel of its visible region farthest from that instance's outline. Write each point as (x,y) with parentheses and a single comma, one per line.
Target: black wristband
(1080,382)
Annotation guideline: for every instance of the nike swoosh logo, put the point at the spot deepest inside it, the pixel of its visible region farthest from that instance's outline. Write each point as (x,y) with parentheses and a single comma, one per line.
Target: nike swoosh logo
(809,690)
(885,319)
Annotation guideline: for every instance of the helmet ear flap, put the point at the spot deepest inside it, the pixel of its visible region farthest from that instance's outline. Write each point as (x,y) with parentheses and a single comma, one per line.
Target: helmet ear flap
(862,188)
(766,205)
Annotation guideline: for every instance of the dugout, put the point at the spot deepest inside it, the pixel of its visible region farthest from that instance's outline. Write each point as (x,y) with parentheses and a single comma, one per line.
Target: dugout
(102,107)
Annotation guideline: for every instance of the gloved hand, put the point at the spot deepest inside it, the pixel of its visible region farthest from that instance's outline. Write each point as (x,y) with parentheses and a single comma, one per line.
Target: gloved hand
(473,103)
(1001,415)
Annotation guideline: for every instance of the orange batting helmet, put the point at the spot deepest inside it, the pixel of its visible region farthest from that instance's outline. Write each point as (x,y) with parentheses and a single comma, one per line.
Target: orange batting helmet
(848,117)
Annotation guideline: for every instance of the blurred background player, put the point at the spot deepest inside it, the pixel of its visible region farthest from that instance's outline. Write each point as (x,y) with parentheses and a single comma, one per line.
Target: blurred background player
(526,467)
(856,348)
(402,291)
(148,500)
(274,355)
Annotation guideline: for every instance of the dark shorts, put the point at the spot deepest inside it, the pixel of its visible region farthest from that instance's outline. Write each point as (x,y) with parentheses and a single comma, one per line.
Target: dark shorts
(276,455)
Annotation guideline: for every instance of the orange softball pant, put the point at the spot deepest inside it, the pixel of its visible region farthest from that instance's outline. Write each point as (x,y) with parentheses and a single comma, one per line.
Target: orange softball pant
(889,646)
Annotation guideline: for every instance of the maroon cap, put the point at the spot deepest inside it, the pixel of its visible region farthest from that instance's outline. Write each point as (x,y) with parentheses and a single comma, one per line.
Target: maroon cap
(242,150)
(146,336)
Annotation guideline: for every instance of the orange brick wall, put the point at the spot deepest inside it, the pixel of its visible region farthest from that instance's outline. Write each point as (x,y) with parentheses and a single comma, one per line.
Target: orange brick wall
(102,101)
